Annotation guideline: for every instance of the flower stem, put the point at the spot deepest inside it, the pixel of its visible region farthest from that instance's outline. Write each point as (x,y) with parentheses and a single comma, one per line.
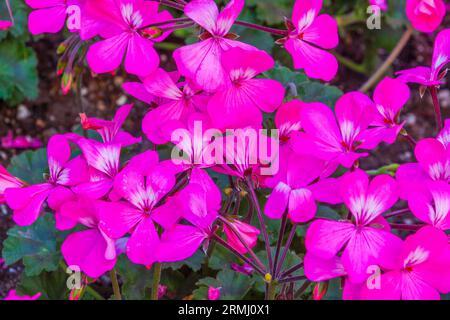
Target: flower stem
(292,279)
(291,270)
(406,227)
(302,289)
(389,61)
(280,240)
(166,22)
(272,290)
(397,213)
(172,4)
(157,267)
(261,221)
(249,250)
(115,285)
(220,241)
(437,107)
(286,249)
(277,32)
(94,293)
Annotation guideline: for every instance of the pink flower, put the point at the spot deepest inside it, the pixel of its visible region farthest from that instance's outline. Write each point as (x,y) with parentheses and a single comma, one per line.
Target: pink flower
(380,3)
(110,131)
(419,270)
(213,293)
(124,36)
(297,188)
(309,34)
(337,142)
(248,234)
(202,61)
(433,157)
(7,180)
(48,16)
(425,15)
(20,142)
(141,185)
(242,98)
(320,270)
(104,164)
(433,76)
(12,295)
(5,24)
(288,121)
(177,106)
(432,204)
(364,239)
(64,173)
(199,209)
(245,269)
(390,96)
(91,250)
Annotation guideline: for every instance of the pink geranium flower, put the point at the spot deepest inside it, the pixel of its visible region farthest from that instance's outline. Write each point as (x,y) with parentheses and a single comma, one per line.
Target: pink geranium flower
(432,205)
(141,185)
(178,104)
(19,142)
(288,120)
(419,270)
(48,16)
(390,96)
(202,61)
(240,102)
(213,293)
(91,250)
(7,180)
(200,210)
(110,131)
(321,270)
(12,295)
(309,34)
(124,36)
(104,164)
(249,234)
(337,141)
(297,188)
(425,15)
(380,3)
(433,164)
(364,239)
(64,173)
(431,77)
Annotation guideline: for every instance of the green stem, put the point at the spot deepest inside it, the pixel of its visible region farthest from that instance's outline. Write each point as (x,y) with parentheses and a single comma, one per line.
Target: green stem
(359,68)
(272,290)
(157,268)
(94,293)
(115,285)
(389,61)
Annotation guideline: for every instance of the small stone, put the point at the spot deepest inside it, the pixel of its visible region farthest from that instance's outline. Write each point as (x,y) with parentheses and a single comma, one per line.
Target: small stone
(444,97)
(122,100)
(23,112)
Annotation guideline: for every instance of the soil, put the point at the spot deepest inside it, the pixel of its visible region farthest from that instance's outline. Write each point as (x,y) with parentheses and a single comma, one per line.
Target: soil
(54,113)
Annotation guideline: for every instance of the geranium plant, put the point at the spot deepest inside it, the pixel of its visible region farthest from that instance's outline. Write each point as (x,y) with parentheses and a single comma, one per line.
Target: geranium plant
(240,186)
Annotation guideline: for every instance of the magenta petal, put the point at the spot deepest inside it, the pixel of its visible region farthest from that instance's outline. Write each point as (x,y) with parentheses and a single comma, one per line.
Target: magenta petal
(118,218)
(278,201)
(323,32)
(420,75)
(107,55)
(228,16)
(441,54)
(326,190)
(433,158)
(325,238)
(318,63)
(143,244)
(390,96)
(179,243)
(141,58)
(302,205)
(318,270)
(204,12)
(303,7)
(27,202)
(48,20)
(390,288)
(58,150)
(94,189)
(137,90)
(86,249)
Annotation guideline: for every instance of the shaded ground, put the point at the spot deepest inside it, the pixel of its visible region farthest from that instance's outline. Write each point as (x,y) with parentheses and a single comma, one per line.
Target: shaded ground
(52,112)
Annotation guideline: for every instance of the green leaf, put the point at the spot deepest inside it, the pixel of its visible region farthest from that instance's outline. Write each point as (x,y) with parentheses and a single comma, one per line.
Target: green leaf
(20,29)
(318,92)
(234,286)
(195,262)
(271,12)
(30,166)
(35,244)
(18,73)
(137,280)
(51,285)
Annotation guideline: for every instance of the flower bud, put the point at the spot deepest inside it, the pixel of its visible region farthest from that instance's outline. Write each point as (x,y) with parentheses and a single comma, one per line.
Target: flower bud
(248,233)
(213,293)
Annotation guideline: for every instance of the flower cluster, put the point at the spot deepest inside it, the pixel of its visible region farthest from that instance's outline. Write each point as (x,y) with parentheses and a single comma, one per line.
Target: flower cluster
(157,211)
